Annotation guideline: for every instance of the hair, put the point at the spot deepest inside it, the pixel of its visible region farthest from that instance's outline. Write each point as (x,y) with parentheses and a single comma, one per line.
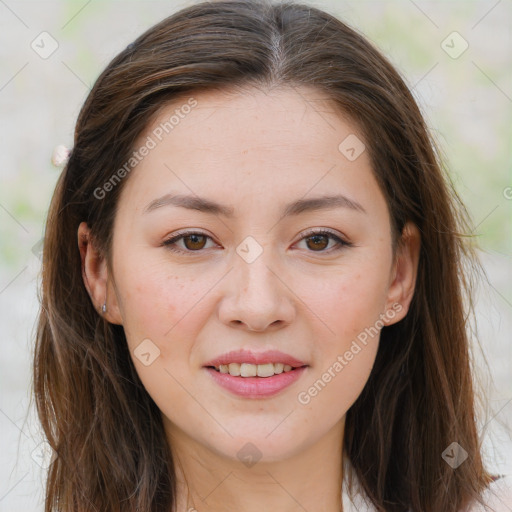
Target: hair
(106,431)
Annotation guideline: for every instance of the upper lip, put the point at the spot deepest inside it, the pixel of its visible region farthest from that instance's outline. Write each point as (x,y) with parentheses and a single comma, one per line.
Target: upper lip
(247,356)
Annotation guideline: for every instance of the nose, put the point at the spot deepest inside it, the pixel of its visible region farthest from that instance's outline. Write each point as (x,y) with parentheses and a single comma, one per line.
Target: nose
(257,297)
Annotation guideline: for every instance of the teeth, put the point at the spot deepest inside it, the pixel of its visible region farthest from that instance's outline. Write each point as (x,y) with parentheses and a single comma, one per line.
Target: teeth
(248,370)
(253,370)
(278,367)
(234,369)
(265,370)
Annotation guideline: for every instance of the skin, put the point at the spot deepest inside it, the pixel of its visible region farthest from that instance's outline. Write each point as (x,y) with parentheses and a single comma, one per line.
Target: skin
(254,151)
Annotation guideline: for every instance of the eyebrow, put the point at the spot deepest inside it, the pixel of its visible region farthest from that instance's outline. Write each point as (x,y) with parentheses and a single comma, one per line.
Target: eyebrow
(295,208)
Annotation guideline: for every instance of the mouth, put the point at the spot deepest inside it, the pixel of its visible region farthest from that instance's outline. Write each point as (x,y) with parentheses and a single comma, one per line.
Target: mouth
(255,381)
(250,374)
(247,370)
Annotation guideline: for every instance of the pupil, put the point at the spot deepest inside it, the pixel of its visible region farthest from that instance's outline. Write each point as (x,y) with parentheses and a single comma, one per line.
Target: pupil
(194,239)
(316,237)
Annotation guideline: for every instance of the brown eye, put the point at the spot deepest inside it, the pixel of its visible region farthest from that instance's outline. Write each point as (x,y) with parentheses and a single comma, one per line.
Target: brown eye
(187,242)
(196,241)
(318,242)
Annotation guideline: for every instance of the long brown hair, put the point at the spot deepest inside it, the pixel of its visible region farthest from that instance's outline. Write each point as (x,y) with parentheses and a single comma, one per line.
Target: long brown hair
(108,435)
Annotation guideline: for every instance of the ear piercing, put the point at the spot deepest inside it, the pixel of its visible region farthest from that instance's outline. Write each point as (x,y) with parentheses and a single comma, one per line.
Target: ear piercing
(104,307)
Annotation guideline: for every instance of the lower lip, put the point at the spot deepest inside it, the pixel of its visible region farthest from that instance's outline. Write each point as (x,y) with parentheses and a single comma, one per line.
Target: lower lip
(256,387)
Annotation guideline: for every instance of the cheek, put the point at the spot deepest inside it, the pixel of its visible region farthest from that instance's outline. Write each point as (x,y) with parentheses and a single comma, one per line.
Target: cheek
(148,304)
(340,382)
(155,299)
(168,309)
(154,308)
(349,301)
(350,304)
(351,309)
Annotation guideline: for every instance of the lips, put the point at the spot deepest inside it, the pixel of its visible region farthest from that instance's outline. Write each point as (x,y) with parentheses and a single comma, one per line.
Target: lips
(265,384)
(247,356)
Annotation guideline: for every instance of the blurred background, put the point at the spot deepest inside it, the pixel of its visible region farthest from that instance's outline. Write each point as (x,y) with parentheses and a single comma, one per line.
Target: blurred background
(455,55)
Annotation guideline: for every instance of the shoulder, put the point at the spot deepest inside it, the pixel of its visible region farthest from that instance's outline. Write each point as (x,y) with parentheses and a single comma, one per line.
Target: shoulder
(497,497)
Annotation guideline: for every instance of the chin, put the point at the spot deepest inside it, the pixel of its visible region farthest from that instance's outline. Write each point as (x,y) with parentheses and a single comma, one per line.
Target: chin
(257,445)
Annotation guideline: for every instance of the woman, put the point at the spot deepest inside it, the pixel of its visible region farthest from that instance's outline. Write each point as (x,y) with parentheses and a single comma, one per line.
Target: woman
(253,282)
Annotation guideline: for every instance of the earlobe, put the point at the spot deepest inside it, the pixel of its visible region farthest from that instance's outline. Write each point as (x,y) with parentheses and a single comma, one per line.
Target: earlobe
(95,276)
(404,273)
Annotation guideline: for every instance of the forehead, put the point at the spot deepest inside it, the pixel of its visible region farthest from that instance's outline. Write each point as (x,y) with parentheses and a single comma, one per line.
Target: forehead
(247,142)
(252,116)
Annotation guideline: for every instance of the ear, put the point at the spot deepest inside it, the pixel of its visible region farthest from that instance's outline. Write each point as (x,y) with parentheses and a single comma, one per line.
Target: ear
(97,281)
(403,274)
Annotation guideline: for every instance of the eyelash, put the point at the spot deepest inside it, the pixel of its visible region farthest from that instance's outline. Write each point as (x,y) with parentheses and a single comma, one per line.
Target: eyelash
(341,243)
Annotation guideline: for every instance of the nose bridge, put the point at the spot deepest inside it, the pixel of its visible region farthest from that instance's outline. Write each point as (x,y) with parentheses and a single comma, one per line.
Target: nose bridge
(253,264)
(257,296)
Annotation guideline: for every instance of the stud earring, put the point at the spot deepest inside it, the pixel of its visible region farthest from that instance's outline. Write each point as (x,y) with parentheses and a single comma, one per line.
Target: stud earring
(104,307)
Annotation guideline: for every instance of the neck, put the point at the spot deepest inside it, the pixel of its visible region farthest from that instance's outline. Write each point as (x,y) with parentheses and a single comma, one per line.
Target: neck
(309,480)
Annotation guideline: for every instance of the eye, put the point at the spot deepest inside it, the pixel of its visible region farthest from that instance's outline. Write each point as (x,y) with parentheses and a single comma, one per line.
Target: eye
(193,241)
(318,241)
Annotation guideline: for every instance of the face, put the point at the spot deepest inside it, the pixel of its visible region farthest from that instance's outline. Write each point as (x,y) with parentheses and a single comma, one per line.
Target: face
(274,266)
